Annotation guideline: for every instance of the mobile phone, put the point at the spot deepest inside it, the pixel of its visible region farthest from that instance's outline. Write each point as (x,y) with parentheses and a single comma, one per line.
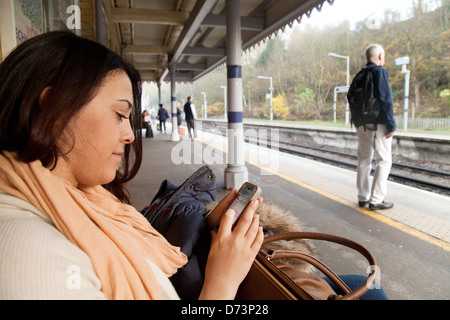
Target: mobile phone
(246,193)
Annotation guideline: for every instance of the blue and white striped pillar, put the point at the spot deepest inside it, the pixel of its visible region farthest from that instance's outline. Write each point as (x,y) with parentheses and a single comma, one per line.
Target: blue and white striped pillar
(236,172)
(175,135)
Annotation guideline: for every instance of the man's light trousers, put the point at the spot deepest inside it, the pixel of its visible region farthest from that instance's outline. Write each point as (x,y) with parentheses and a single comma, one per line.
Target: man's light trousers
(372,143)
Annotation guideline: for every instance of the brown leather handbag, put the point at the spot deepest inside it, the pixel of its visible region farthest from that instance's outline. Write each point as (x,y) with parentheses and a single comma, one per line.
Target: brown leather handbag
(271,280)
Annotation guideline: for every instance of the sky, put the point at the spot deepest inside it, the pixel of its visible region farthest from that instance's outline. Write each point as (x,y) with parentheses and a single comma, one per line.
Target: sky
(358,10)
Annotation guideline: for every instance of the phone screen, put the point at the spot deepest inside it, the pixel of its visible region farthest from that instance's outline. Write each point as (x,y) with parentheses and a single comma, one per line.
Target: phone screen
(243,197)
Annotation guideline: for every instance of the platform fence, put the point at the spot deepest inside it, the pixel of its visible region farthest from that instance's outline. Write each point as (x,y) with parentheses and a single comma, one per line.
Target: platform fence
(426,123)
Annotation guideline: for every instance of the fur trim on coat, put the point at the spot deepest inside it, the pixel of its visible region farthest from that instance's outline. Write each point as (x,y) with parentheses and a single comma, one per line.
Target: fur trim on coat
(276,220)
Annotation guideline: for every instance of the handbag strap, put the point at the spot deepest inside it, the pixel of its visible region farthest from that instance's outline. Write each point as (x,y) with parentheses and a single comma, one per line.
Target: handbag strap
(283,254)
(355,294)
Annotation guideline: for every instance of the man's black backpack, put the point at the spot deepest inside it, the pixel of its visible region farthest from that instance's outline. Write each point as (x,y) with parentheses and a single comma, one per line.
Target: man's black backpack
(364,107)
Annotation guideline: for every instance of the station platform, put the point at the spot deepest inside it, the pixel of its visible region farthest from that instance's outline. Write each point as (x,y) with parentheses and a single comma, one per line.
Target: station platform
(420,210)
(324,199)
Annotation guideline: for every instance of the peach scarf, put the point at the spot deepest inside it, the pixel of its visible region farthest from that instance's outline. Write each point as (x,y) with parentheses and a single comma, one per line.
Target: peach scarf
(115,236)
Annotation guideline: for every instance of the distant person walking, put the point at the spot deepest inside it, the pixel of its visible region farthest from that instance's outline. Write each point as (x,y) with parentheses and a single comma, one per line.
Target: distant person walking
(162,117)
(179,117)
(191,115)
(375,138)
(153,115)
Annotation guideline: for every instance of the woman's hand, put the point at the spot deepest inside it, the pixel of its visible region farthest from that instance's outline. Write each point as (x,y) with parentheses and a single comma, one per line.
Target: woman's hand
(232,251)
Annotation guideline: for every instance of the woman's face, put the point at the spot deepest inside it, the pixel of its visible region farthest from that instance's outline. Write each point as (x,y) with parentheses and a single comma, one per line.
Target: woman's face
(98,135)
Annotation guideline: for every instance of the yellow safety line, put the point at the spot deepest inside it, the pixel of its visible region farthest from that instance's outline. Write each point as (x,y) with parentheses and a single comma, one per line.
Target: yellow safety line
(374,214)
(395,224)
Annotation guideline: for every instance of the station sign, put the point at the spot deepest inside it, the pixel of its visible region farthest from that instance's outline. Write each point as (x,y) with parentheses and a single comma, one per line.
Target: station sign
(341,89)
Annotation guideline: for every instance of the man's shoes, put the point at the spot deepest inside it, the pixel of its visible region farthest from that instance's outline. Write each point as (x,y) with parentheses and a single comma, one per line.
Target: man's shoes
(362,203)
(381,206)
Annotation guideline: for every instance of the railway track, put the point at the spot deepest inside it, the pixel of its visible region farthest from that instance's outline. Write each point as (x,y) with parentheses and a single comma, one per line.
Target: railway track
(412,175)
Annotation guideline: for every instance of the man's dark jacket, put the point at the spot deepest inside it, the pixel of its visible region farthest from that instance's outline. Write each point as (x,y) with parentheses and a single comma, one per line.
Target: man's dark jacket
(383,93)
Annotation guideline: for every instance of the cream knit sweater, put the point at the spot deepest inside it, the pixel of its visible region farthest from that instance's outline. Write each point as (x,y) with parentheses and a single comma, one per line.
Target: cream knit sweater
(38,262)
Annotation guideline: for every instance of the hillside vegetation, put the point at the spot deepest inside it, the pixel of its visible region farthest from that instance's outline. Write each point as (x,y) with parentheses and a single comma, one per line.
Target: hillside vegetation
(304,76)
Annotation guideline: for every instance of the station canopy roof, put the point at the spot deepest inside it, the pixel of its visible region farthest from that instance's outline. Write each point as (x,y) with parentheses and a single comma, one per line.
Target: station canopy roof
(191,34)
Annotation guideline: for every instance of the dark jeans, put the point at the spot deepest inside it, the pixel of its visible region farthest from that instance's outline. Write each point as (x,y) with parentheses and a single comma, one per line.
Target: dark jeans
(191,128)
(354,281)
(161,123)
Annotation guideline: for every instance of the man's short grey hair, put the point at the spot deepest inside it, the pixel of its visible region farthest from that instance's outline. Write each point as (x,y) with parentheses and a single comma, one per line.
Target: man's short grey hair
(372,52)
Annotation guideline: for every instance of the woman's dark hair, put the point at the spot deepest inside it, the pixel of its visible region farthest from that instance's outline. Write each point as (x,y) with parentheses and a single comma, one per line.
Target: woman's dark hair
(73,68)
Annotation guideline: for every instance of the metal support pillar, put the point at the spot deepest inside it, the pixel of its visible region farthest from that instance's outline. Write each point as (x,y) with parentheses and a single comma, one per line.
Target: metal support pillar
(236,172)
(334,105)
(8,40)
(404,61)
(175,135)
(101,31)
(405,117)
(347,106)
(159,92)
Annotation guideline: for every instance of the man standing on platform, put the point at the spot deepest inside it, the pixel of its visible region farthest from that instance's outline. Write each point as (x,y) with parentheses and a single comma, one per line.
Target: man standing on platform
(191,115)
(375,137)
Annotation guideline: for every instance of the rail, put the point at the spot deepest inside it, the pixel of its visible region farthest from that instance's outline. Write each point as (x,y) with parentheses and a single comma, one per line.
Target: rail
(404,177)
(423,178)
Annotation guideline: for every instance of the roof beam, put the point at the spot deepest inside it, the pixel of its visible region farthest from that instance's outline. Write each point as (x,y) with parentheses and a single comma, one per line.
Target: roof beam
(198,14)
(281,14)
(148,76)
(164,17)
(190,66)
(146,49)
(147,66)
(183,76)
(206,52)
(220,21)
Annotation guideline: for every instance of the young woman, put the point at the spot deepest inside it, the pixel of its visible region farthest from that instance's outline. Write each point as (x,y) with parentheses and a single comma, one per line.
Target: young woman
(70,138)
